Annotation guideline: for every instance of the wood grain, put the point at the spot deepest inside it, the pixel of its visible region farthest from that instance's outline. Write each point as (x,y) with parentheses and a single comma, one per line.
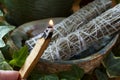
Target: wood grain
(33,58)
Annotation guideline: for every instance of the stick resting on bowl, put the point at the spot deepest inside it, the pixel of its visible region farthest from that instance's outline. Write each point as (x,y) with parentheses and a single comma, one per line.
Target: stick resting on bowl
(36,52)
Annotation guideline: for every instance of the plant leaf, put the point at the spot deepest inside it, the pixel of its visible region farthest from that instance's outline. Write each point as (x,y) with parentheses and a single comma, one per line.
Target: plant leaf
(35,75)
(112,65)
(78,72)
(50,77)
(3,64)
(1,13)
(6,52)
(75,73)
(19,57)
(22,11)
(1,57)
(100,75)
(4,29)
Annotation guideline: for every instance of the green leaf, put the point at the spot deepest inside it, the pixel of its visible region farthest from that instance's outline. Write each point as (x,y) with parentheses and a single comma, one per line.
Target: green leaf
(112,65)
(101,75)
(3,64)
(63,79)
(49,77)
(4,29)
(21,11)
(78,72)
(75,73)
(1,1)
(35,75)
(5,51)
(1,13)
(1,57)
(19,57)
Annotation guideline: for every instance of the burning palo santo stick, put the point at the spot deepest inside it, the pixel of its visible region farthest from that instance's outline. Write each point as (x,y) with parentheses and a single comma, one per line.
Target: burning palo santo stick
(40,45)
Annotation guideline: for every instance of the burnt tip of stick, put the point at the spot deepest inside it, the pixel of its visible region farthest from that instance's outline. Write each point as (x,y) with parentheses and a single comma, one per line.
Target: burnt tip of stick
(49,30)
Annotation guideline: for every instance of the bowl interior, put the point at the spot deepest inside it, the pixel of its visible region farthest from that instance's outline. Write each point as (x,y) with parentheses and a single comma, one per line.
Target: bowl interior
(30,29)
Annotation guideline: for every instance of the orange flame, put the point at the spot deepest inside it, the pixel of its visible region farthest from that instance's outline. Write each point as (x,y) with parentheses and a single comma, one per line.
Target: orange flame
(51,23)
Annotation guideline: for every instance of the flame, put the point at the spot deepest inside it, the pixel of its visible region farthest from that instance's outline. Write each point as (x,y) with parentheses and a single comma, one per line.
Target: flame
(51,23)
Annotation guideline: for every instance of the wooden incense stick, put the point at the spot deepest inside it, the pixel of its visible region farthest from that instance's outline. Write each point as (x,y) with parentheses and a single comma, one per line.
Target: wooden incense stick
(34,57)
(36,53)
